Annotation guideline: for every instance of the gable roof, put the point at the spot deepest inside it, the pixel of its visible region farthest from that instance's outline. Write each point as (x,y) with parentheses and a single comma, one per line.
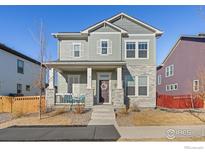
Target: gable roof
(16,53)
(104,22)
(183,37)
(157,31)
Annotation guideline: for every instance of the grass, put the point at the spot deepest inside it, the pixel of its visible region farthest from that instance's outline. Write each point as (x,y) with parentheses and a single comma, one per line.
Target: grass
(157,117)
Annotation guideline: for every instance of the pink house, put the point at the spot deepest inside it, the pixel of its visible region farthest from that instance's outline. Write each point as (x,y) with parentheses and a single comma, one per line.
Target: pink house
(179,73)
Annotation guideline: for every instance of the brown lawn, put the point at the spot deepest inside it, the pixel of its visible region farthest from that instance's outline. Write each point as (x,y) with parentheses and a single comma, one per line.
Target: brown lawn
(53,118)
(157,117)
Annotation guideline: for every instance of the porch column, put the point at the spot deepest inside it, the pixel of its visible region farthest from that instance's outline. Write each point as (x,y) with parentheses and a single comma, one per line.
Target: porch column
(119,78)
(89,78)
(51,79)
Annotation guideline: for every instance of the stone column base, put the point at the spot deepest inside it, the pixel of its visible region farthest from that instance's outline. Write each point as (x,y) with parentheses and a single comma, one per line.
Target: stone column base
(118,98)
(89,98)
(50,99)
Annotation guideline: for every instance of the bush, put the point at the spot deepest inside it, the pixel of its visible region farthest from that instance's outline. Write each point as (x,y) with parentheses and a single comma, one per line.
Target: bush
(79,109)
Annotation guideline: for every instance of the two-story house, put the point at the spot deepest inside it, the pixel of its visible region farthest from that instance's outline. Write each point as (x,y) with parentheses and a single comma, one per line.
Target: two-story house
(19,73)
(111,62)
(181,73)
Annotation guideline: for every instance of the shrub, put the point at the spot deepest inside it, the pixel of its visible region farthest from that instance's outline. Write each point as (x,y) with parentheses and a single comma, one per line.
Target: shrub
(79,109)
(135,108)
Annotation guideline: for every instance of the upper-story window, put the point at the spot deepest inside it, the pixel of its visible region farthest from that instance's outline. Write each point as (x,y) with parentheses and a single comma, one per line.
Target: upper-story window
(169,71)
(76,49)
(104,47)
(142,49)
(136,49)
(159,79)
(20,66)
(130,49)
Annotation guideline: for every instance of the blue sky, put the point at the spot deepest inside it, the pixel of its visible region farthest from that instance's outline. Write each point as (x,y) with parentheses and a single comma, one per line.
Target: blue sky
(17,23)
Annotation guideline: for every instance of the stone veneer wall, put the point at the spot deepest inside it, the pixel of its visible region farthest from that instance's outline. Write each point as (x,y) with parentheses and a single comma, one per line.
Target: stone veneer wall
(118,98)
(89,98)
(137,70)
(50,99)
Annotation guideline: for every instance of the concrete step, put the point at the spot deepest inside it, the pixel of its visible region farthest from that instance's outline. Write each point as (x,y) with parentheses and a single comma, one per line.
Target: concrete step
(102,122)
(101,110)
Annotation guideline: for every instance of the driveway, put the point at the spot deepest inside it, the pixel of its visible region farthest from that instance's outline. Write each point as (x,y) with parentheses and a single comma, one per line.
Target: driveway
(60,133)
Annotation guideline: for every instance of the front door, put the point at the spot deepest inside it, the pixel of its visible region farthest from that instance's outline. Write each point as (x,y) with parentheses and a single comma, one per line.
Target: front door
(103,91)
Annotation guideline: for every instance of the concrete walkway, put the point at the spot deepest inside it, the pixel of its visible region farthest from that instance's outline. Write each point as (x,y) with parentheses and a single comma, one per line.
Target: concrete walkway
(103,115)
(170,132)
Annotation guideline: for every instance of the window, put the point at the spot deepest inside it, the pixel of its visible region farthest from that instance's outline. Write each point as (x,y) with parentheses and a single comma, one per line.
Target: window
(172,87)
(104,47)
(169,71)
(142,86)
(28,88)
(130,49)
(76,49)
(19,88)
(195,85)
(20,66)
(159,79)
(130,85)
(142,49)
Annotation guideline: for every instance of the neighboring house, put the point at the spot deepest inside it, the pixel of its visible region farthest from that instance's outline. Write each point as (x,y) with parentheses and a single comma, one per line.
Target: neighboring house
(109,62)
(179,74)
(19,73)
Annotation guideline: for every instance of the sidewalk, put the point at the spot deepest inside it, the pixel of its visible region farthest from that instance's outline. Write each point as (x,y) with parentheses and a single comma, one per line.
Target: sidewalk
(170,132)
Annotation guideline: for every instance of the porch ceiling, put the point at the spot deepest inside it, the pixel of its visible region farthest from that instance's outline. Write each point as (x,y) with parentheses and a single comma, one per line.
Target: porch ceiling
(83,65)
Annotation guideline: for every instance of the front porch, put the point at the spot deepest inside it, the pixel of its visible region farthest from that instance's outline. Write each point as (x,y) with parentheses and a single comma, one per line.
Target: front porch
(91,83)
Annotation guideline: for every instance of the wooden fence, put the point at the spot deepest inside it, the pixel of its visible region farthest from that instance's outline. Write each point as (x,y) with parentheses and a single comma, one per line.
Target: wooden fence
(179,102)
(26,104)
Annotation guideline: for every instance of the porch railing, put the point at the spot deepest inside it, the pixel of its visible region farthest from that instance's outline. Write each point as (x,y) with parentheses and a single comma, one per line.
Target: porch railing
(68,98)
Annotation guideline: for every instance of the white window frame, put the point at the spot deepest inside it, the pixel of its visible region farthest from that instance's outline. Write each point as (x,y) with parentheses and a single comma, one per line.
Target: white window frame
(136,48)
(168,87)
(101,40)
(137,84)
(159,79)
(168,70)
(76,43)
(195,85)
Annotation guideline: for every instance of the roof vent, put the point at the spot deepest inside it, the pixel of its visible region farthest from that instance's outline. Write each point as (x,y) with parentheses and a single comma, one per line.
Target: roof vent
(201,34)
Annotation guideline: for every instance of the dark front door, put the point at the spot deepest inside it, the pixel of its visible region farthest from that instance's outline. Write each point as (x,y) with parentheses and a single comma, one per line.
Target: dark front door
(104,91)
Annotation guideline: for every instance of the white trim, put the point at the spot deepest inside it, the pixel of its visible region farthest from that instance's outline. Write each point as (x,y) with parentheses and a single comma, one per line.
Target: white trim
(168,87)
(168,69)
(141,34)
(159,79)
(106,33)
(76,43)
(140,22)
(193,85)
(104,22)
(137,86)
(110,94)
(136,48)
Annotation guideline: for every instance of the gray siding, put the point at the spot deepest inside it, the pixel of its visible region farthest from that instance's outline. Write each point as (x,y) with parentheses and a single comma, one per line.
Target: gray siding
(105,29)
(116,48)
(131,27)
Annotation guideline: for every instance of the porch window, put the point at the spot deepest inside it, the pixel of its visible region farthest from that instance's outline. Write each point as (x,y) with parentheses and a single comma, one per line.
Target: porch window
(130,49)
(104,47)
(142,86)
(73,85)
(130,85)
(76,49)
(142,50)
